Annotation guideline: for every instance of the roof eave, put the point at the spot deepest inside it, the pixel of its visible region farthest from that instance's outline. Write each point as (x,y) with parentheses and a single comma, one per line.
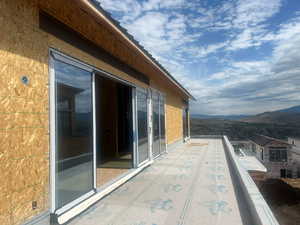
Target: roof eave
(94,6)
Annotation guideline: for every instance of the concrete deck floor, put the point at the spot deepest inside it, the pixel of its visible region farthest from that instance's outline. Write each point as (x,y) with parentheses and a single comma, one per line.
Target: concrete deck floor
(190,185)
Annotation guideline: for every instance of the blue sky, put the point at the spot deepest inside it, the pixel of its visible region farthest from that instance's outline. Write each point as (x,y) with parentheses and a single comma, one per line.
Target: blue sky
(234,56)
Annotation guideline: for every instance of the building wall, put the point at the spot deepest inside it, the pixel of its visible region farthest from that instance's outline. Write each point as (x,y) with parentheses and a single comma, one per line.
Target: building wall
(295,154)
(174,126)
(275,167)
(294,141)
(24,127)
(295,163)
(174,102)
(258,151)
(24,108)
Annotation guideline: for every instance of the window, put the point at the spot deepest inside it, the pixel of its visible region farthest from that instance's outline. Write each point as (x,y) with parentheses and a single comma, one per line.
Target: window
(278,154)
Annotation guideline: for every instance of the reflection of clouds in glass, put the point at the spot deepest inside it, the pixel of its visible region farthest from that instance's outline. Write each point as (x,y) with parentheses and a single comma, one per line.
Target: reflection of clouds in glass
(83,102)
(78,79)
(72,76)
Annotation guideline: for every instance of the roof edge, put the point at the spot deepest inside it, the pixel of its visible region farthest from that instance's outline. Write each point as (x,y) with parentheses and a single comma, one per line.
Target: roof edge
(96,8)
(269,139)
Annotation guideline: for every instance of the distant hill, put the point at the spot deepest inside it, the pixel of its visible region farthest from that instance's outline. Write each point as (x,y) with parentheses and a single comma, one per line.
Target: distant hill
(284,116)
(237,130)
(294,109)
(278,124)
(222,117)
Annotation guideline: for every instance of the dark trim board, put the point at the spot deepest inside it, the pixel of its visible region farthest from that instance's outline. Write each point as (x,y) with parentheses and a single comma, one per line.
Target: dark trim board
(56,28)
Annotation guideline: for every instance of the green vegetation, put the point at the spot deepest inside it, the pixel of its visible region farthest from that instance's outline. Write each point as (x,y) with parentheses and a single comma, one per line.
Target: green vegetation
(242,130)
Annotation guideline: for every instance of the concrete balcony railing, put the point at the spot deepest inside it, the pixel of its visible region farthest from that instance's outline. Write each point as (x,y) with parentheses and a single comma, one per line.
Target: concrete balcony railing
(259,209)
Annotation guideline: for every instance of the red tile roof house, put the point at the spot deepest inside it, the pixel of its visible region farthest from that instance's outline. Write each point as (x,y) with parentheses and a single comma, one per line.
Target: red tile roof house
(84,109)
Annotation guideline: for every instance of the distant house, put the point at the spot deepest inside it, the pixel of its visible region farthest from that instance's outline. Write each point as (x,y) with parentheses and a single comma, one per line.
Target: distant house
(295,142)
(275,154)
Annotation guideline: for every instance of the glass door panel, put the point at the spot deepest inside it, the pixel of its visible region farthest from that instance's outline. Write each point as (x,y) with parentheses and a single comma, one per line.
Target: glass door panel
(185,123)
(162,124)
(74,133)
(142,125)
(155,124)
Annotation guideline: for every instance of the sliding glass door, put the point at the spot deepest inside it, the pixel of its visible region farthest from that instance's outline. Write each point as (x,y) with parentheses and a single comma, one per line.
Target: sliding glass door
(155,125)
(162,124)
(87,119)
(185,124)
(74,133)
(158,124)
(142,124)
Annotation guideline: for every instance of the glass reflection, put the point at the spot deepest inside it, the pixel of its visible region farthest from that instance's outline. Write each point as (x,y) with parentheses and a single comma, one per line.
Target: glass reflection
(155,126)
(142,125)
(185,122)
(74,137)
(162,124)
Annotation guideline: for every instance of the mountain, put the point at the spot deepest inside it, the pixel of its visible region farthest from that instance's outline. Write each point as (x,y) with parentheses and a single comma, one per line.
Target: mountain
(222,117)
(294,109)
(278,124)
(284,116)
(237,130)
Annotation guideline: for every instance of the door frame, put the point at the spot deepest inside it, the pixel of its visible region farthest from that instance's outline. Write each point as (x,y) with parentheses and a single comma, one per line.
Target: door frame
(54,55)
(152,139)
(163,95)
(139,164)
(165,123)
(150,125)
(99,73)
(57,55)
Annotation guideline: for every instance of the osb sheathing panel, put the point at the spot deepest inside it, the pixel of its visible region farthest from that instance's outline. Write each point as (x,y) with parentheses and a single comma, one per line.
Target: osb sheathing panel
(24,145)
(73,13)
(84,57)
(174,129)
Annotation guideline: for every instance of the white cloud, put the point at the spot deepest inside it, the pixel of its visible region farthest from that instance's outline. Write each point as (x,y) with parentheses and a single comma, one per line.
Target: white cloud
(257,86)
(250,13)
(160,4)
(250,22)
(218,76)
(178,39)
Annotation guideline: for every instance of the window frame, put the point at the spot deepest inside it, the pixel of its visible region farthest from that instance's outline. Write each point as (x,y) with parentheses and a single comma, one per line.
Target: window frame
(278,154)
